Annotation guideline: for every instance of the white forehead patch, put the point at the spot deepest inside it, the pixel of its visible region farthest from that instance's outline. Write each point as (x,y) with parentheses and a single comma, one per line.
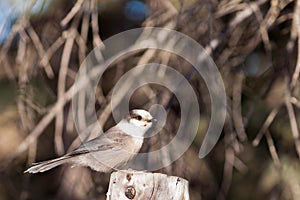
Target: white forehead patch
(143,113)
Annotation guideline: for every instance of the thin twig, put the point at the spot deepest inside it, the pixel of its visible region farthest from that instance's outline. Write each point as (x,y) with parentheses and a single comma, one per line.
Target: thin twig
(266,125)
(82,41)
(296,27)
(40,50)
(66,55)
(227,173)
(3,53)
(272,149)
(293,123)
(237,108)
(70,122)
(295,102)
(263,29)
(97,42)
(44,61)
(70,36)
(248,11)
(240,165)
(227,8)
(22,47)
(75,9)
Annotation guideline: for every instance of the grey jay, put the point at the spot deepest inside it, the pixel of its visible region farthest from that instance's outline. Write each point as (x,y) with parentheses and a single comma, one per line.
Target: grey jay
(112,149)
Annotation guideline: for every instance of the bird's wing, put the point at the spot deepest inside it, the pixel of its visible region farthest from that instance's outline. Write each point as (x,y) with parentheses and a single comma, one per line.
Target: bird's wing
(111,140)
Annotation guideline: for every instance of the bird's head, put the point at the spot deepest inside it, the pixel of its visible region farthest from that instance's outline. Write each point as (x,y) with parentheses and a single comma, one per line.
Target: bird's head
(140,118)
(136,123)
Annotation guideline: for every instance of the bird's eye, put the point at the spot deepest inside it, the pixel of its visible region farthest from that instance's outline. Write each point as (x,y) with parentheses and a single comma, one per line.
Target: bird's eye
(139,117)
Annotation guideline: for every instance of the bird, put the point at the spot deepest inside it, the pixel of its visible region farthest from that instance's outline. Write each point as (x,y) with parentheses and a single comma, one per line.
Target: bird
(110,150)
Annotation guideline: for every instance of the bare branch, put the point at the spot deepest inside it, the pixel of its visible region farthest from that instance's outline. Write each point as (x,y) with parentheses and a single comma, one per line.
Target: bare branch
(95,25)
(40,50)
(237,108)
(293,123)
(265,126)
(272,149)
(75,9)
(296,33)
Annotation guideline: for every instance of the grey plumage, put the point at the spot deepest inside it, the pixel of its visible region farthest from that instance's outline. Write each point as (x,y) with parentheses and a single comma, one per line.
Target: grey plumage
(110,150)
(46,165)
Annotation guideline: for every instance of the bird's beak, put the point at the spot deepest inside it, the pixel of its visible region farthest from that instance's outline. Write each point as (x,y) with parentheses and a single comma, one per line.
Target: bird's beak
(154,120)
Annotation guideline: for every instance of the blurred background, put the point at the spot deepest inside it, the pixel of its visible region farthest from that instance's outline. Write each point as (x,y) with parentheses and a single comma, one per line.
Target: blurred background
(254,43)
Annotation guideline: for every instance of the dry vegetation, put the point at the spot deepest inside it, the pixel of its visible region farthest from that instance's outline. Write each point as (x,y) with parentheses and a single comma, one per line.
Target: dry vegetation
(255,45)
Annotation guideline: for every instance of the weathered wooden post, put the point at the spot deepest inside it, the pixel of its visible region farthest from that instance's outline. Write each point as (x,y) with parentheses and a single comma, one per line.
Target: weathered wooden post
(139,185)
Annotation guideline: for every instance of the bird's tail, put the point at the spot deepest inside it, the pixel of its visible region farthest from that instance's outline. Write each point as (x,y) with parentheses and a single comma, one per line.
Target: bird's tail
(47,165)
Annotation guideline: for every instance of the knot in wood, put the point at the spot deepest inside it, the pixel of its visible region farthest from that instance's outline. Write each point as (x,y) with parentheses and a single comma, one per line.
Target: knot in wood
(130,192)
